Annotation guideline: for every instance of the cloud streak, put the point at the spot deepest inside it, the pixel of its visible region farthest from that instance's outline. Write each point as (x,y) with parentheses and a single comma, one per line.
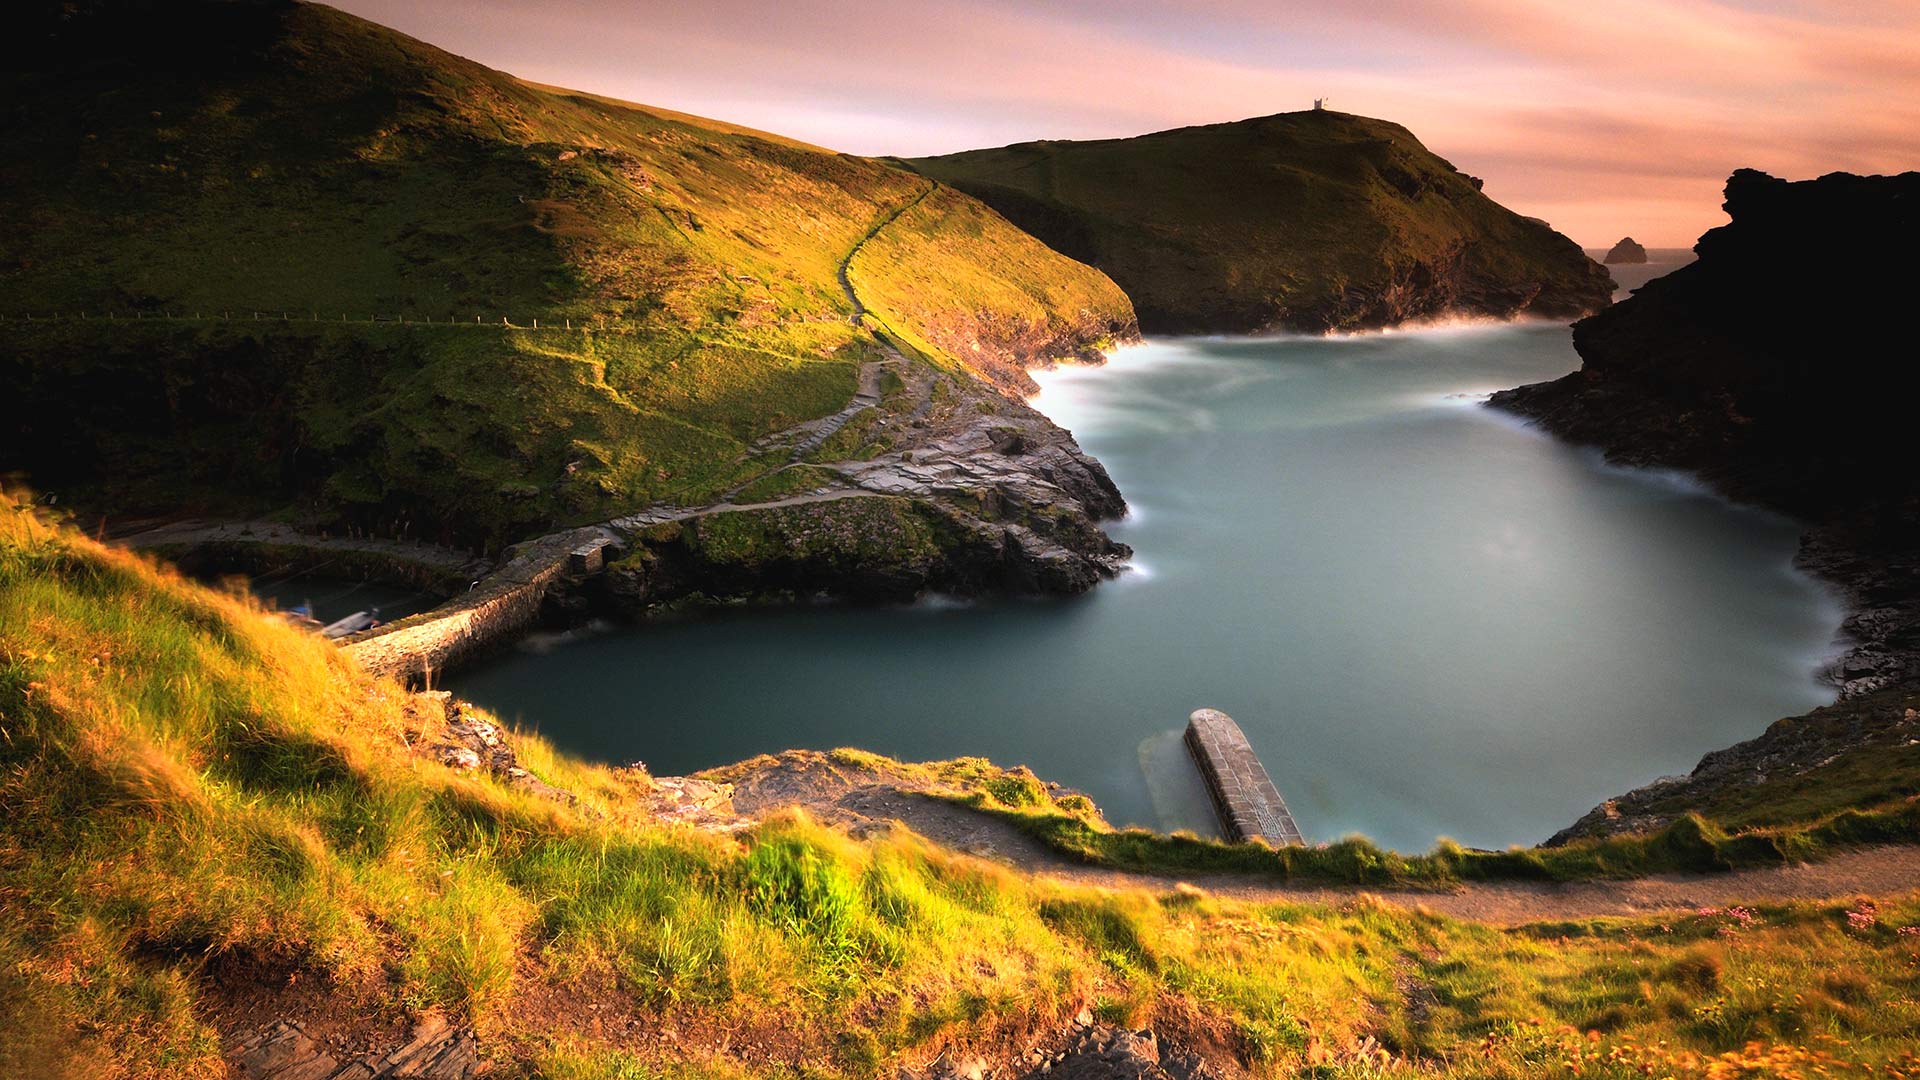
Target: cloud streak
(1605,119)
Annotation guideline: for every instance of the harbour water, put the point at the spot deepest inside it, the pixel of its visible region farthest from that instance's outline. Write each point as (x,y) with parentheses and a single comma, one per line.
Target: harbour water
(1428,618)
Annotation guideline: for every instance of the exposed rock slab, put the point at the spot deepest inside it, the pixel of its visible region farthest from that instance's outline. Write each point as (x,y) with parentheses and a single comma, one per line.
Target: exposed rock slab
(437,1051)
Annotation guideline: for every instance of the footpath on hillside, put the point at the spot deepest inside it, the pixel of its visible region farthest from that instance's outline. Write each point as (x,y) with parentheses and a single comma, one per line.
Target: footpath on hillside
(862,799)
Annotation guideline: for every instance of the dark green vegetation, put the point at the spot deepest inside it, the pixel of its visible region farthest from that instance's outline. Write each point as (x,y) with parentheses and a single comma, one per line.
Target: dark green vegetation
(214,820)
(1876,805)
(1306,221)
(171,165)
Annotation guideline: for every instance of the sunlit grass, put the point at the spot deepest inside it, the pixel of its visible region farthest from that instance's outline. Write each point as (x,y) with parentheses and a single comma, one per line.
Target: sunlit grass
(188,781)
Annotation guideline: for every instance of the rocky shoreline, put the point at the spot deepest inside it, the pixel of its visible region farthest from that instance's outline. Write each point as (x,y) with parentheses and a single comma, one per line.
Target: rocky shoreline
(948,486)
(1774,405)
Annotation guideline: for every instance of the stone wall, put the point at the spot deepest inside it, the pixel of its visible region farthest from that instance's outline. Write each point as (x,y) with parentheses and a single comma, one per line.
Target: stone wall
(1249,805)
(494,612)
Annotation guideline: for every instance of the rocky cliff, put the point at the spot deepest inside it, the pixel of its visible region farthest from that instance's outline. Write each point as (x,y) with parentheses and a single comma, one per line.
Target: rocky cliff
(1307,221)
(1765,367)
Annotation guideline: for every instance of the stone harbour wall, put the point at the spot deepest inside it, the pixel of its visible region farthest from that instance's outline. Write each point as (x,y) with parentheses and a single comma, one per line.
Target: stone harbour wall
(1249,806)
(494,612)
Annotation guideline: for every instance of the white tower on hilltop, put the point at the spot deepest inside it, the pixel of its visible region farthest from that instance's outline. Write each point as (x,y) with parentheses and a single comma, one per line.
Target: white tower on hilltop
(1319,104)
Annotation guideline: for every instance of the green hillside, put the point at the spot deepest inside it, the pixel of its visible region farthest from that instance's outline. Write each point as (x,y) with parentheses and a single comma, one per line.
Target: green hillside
(214,822)
(172,171)
(1308,221)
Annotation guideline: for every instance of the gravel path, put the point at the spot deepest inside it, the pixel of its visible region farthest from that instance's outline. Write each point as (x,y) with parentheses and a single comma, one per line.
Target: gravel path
(862,800)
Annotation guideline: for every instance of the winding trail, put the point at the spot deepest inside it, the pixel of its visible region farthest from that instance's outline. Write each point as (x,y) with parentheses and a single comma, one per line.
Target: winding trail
(865,398)
(504,598)
(846,262)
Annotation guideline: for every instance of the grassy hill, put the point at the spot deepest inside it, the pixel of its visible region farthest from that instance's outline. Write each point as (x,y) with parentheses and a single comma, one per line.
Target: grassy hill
(388,205)
(214,821)
(1308,221)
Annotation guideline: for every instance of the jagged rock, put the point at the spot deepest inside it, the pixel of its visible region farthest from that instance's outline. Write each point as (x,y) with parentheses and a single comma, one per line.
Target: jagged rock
(436,1051)
(1798,406)
(1626,251)
(1104,1052)
(470,741)
(283,1052)
(691,801)
(1792,747)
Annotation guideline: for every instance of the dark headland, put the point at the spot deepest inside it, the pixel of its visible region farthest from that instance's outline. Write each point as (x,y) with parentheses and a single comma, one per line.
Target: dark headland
(1309,221)
(280,276)
(1766,367)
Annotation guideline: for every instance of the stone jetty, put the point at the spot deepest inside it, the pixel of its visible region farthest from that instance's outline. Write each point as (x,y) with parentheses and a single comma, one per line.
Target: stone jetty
(1249,805)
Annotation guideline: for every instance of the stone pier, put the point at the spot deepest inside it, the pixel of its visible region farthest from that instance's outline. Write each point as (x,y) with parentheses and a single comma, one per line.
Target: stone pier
(494,611)
(1249,805)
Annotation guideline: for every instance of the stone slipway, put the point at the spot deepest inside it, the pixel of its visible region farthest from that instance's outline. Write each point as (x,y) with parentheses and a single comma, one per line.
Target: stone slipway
(1249,805)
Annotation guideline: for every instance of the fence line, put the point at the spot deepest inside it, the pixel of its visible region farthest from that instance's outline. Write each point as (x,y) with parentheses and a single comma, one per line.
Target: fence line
(306,317)
(314,318)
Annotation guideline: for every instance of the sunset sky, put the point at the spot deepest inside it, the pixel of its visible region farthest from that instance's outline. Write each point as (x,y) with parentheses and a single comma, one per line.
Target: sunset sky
(1605,118)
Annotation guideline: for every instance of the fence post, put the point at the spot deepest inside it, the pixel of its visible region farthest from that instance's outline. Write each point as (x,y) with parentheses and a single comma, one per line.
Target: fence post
(536,324)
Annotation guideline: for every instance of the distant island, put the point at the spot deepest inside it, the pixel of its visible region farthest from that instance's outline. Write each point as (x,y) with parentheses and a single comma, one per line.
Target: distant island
(1626,251)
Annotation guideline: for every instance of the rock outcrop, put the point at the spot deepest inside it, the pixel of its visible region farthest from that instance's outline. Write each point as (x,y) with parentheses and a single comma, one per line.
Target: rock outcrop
(1780,391)
(1308,221)
(284,1051)
(1626,251)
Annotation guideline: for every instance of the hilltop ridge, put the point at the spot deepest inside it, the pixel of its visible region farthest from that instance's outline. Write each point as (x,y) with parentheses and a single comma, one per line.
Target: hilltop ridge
(298,263)
(1311,221)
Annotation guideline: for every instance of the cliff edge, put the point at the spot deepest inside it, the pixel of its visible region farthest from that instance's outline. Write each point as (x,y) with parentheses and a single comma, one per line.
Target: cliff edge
(1764,367)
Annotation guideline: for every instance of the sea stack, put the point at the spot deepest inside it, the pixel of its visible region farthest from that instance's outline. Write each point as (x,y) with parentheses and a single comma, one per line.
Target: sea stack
(1626,251)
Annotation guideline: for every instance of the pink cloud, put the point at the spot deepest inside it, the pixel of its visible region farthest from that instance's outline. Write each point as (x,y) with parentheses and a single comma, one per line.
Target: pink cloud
(1613,118)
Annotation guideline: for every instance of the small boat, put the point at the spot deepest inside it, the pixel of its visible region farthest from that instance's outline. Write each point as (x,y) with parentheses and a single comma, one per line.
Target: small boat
(300,616)
(352,624)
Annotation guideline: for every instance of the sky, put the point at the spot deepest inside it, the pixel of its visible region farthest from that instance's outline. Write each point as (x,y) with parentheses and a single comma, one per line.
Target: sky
(1605,117)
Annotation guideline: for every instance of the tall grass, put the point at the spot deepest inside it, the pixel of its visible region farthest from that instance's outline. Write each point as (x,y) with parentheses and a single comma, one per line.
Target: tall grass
(204,805)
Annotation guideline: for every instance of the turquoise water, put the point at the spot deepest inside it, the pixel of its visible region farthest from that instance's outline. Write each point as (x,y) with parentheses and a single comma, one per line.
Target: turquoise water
(1429,619)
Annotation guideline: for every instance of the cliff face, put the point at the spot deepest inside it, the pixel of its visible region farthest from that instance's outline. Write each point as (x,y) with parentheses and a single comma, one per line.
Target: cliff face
(1768,367)
(1306,221)
(1764,364)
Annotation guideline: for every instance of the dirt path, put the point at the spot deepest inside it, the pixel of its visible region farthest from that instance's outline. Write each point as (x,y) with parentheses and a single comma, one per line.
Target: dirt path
(864,398)
(846,262)
(863,800)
